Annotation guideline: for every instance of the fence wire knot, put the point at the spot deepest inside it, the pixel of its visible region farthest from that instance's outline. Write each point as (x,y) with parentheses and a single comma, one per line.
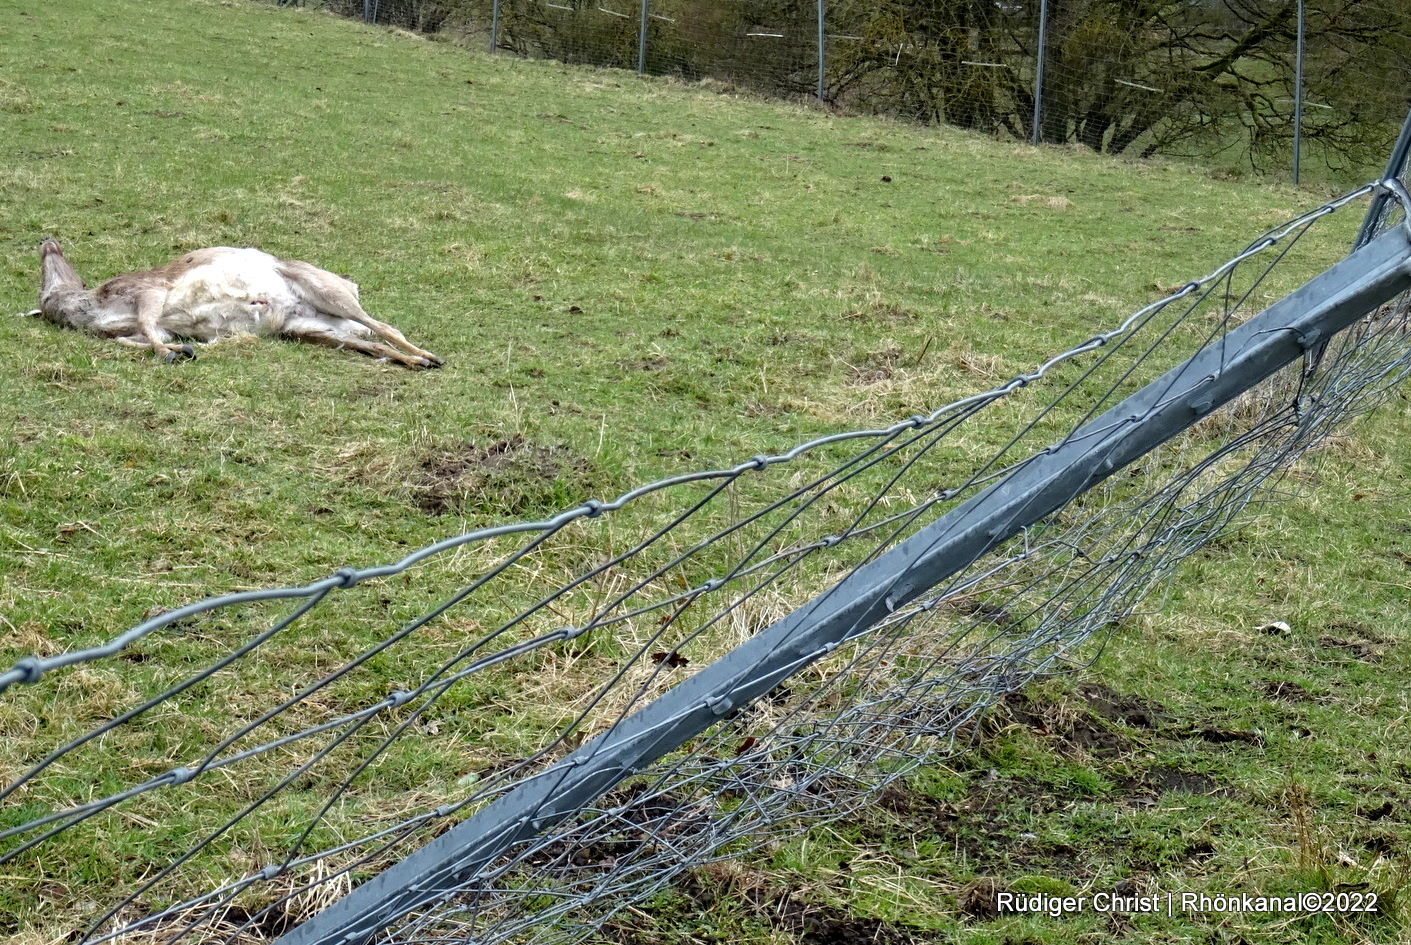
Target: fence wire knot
(346,578)
(180,776)
(30,668)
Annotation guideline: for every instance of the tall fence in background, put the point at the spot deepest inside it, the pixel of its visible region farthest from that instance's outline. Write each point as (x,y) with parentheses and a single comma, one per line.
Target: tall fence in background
(580,709)
(1264,79)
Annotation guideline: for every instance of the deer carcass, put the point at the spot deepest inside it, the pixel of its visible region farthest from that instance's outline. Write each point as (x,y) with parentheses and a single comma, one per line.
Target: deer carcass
(217,293)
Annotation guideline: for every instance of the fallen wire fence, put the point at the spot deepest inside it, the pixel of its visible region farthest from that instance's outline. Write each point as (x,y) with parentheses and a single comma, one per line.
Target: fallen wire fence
(707,664)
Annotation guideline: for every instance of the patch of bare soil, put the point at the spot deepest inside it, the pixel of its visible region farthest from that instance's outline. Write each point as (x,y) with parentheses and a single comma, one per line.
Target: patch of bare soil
(1129,710)
(1287,691)
(1163,779)
(810,923)
(512,476)
(986,825)
(1084,728)
(1364,651)
(804,922)
(643,818)
(876,367)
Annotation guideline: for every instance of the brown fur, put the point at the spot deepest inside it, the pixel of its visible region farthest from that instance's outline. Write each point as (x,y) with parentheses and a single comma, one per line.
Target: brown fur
(215,293)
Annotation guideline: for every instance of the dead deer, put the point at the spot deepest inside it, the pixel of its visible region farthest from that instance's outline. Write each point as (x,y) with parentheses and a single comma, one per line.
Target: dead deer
(217,293)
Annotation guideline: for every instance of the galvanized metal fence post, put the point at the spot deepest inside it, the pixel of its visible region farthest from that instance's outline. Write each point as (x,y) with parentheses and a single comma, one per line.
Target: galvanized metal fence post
(822,53)
(1298,96)
(494,26)
(1039,71)
(642,41)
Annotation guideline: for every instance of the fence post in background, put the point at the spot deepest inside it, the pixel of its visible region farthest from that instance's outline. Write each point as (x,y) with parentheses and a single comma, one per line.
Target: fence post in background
(1039,71)
(822,57)
(642,41)
(1298,95)
(494,26)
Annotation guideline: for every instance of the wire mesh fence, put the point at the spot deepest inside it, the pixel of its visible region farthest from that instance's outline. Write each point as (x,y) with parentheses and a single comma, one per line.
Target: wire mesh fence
(1262,80)
(571,712)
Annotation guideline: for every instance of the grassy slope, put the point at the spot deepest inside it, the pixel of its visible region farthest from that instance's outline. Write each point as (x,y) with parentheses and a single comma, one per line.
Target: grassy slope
(654,278)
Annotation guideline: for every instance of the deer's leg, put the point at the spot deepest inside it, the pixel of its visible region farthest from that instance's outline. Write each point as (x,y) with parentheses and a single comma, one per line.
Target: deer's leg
(325,330)
(182,352)
(149,314)
(333,295)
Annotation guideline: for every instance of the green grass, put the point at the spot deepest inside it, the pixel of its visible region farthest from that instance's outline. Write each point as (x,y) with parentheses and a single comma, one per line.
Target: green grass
(637,278)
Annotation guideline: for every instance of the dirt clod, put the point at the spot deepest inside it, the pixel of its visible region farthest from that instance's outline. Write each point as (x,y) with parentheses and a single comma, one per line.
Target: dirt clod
(1075,733)
(811,924)
(1165,780)
(980,898)
(1287,691)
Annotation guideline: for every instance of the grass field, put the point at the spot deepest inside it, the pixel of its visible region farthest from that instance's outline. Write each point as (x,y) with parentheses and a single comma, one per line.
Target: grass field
(638,278)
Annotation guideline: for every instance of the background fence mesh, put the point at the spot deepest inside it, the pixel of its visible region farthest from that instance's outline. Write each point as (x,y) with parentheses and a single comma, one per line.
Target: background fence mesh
(1202,79)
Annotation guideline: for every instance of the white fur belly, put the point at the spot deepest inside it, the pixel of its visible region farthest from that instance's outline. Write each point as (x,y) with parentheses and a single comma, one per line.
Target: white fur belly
(239,293)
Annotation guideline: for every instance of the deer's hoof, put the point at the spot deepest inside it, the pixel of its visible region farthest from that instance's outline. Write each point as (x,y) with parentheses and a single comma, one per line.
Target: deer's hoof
(183,353)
